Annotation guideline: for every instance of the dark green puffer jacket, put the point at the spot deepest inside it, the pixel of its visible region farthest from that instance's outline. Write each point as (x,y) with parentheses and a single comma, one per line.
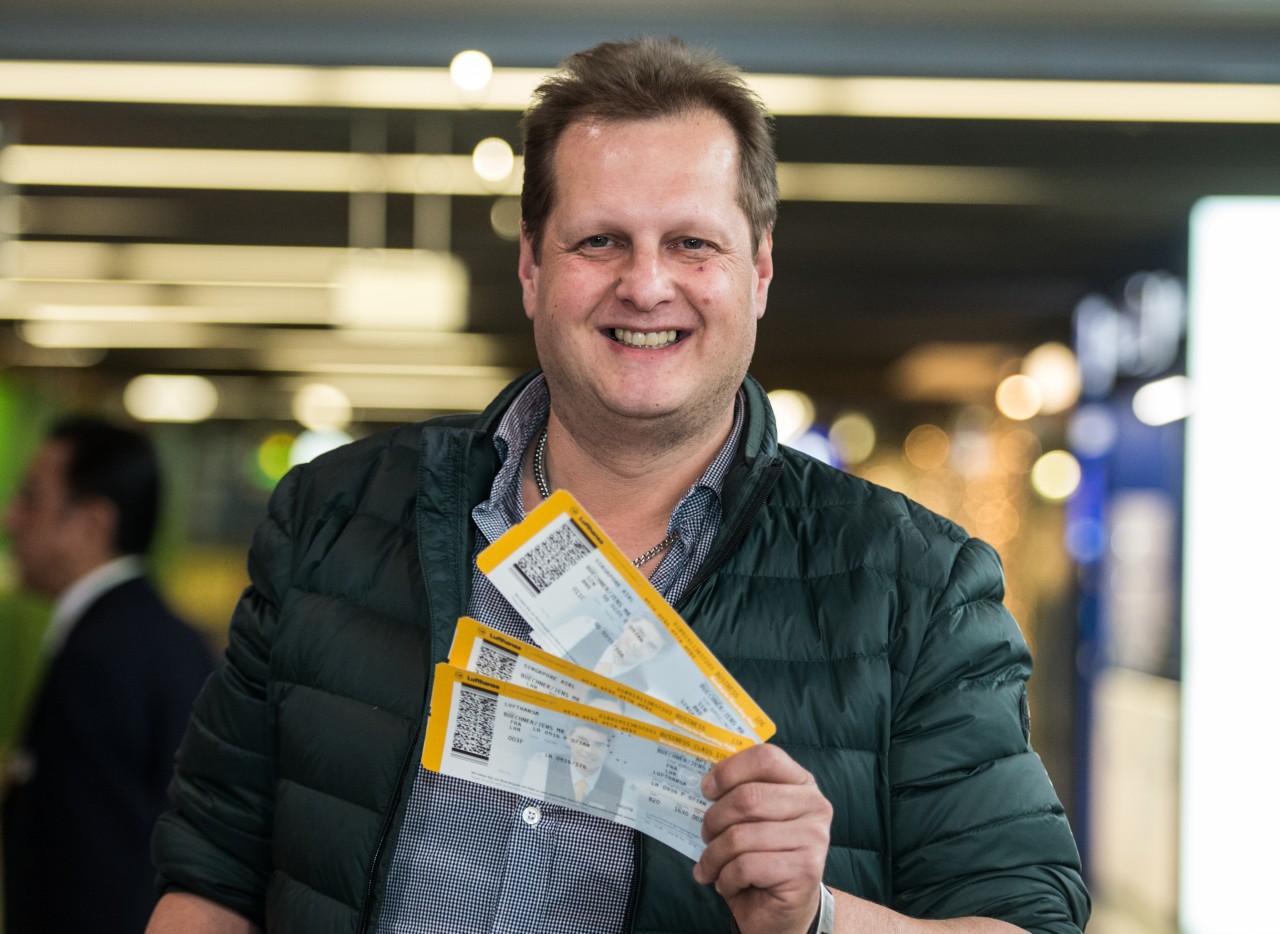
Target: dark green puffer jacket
(868,628)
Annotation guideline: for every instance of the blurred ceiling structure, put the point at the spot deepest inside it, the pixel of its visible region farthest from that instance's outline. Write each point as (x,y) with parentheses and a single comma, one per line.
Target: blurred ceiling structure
(955,175)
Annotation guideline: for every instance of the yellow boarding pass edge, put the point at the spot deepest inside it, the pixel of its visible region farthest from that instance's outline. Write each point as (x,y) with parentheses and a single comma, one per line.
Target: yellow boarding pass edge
(470,631)
(561,502)
(558,503)
(449,677)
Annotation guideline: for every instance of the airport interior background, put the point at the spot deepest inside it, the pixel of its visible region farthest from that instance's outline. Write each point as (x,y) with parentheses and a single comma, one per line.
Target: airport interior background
(263,228)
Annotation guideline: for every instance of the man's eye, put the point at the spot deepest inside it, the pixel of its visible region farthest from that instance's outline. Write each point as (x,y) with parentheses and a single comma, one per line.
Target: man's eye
(693,243)
(596,242)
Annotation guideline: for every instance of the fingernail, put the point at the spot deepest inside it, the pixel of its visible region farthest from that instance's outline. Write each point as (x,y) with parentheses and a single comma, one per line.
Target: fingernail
(709,789)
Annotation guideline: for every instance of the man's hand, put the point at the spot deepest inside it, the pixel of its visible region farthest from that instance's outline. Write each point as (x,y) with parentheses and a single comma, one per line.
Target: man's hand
(184,913)
(767,835)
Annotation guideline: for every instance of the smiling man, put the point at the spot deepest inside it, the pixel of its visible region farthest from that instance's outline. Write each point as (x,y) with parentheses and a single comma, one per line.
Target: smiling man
(900,793)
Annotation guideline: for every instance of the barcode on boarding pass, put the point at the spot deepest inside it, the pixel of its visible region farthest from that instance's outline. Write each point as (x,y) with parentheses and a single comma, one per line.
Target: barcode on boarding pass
(495,662)
(546,562)
(473,733)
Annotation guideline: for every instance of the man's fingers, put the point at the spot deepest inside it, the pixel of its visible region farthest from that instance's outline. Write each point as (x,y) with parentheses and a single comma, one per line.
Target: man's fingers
(766,852)
(757,802)
(785,875)
(761,763)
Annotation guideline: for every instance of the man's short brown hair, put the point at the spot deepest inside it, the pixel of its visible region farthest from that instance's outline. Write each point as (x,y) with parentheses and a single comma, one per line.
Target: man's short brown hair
(646,79)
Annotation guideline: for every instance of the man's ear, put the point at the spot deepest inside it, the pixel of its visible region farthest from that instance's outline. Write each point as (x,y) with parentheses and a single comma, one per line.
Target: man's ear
(528,271)
(98,519)
(764,272)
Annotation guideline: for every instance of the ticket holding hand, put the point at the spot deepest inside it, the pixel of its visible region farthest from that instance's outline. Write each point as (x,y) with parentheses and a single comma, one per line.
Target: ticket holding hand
(577,755)
(585,602)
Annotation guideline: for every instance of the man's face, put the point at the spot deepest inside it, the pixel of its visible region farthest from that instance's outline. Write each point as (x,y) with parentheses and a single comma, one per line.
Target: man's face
(645,298)
(588,748)
(45,523)
(638,642)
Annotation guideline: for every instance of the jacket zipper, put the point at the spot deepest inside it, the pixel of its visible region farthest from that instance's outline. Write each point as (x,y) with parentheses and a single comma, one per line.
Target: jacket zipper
(382,840)
(629,920)
(405,765)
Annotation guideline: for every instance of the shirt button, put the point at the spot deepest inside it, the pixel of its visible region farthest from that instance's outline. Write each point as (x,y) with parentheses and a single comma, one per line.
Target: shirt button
(532,815)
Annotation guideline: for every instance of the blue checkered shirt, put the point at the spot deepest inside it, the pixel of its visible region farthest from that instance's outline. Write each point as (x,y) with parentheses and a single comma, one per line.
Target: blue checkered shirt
(472,859)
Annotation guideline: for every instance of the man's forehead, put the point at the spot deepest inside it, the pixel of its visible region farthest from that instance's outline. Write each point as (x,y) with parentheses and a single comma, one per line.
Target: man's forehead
(592,130)
(593,126)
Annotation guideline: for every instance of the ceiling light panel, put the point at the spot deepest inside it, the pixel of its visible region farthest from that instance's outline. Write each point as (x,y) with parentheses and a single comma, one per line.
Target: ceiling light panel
(917,184)
(511,89)
(248,170)
(262,85)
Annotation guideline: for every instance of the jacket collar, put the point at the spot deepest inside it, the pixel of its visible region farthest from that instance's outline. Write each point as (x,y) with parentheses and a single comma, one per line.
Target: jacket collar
(761,435)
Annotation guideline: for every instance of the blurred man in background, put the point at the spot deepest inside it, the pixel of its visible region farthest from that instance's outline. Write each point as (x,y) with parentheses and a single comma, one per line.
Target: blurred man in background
(121,674)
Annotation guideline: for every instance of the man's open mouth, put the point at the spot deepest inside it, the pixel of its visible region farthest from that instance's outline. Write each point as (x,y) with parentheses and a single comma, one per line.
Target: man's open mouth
(645,339)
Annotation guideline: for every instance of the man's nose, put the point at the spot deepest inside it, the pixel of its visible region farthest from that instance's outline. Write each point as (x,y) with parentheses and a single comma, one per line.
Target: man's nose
(645,281)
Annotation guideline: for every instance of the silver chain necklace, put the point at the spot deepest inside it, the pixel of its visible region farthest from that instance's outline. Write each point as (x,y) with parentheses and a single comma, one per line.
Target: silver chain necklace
(544,487)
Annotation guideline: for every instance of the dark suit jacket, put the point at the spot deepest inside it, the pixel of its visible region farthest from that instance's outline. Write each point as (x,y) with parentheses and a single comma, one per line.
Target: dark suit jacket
(102,735)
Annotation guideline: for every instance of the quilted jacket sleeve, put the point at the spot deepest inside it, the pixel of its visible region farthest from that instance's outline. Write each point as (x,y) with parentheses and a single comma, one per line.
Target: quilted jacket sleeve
(978,829)
(216,840)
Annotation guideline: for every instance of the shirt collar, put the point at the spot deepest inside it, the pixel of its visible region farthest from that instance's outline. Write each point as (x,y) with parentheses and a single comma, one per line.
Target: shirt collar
(519,427)
(520,424)
(526,416)
(77,598)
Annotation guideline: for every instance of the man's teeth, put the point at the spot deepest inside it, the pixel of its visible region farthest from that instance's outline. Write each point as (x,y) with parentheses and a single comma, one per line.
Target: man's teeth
(645,338)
